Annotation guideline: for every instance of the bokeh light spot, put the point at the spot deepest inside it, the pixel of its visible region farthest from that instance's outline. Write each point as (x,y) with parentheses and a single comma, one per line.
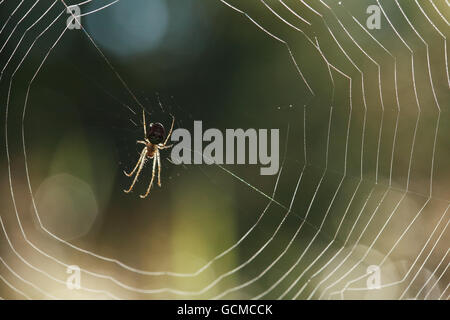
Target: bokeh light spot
(67,206)
(125,29)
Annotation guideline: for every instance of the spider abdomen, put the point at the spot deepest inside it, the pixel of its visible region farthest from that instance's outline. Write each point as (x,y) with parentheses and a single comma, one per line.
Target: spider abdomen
(156,133)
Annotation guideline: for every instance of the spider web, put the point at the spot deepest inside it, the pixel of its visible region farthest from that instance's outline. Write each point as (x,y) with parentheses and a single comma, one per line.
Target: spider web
(363,181)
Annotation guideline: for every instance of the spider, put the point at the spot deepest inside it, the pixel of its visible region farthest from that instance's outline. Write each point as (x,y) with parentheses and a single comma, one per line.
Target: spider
(153,143)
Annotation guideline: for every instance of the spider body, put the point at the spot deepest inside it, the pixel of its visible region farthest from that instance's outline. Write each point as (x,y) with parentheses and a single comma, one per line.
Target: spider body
(156,133)
(154,141)
(151,150)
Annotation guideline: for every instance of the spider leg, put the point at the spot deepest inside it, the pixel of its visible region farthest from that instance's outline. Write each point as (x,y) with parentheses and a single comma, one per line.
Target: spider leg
(162,147)
(143,122)
(138,172)
(159,168)
(137,164)
(170,131)
(151,181)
